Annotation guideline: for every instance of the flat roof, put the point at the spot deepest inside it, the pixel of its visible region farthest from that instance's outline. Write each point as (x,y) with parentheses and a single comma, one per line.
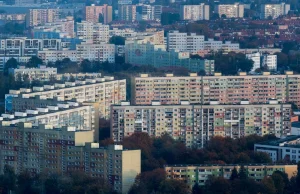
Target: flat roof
(284,142)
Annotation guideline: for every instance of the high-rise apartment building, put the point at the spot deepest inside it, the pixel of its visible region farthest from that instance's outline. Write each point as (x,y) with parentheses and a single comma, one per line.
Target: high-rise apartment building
(97,14)
(63,150)
(127,12)
(157,56)
(194,12)
(270,61)
(37,17)
(148,12)
(105,91)
(196,124)
(225,89)
(200,173)
(96,52)
(184,42)
(95,32)
(274,10)
(230,10)
(255,57)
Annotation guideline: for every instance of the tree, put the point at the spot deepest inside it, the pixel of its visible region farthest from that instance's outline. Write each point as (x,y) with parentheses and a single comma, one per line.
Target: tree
(243,173)
(8,180)
(171,186)
(268,185)
(218,185)
(279,182)
(223,16)
(34,61)
(11,63)
(86,66)
(117,40)
(282,60)
(234,174)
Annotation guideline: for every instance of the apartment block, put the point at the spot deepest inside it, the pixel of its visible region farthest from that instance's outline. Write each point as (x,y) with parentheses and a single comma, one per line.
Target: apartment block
(184,42)
(200,173)
(37,17)
(148,12)
(96,52)
(62,114)
(62,150)
(42,73)
(105,91)
(127,12)
(230,10)
(270,61)
(196,124)
(91,31)
(255,57)
(194,12)
(53,56)
(274,10)
(156,55)
(65,28)
(225,89)
(95,13)
(25,47)
(287,149)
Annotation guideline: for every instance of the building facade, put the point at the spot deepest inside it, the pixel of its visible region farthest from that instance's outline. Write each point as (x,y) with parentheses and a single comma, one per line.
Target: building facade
(157,56)
(42,73)
(225,89)
(194,12)
(274,10)
(286,149)
(230,10)
(96,52)
(127,12)
(201,173)
(194,125)
(95,14)
(37,17)
(95,32)
(105,91)
(63,150)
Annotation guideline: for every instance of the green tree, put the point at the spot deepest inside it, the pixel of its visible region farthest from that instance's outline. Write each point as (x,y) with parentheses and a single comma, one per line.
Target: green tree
(11,63)
(86,66)
(171,186)
(117,40)
(268,185)
(218,185)
(8,180)
(279,182)
(243,173)
(234,174)
(34,61)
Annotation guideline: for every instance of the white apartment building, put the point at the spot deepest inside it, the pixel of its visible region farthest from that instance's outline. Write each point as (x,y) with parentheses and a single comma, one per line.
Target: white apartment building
(183,42)
(274,10)
(96,52)
(37,17)
(128,32)
(53,56)
(64,114)
(105,91)
(230,10)
(20,47)
(127,12)
(148,12)
(255,57)
(194,12)
(42,73)
(65,26)
(282,149)
(270,61)
(95,32)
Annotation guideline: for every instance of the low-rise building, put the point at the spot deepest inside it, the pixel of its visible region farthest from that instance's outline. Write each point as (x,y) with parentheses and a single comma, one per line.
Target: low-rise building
(42,73)
(286,149)
(192,174)
(196,124)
